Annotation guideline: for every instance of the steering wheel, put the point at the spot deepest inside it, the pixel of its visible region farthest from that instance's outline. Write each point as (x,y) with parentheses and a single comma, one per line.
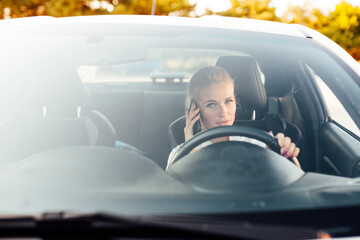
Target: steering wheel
(233,166)
(217,132)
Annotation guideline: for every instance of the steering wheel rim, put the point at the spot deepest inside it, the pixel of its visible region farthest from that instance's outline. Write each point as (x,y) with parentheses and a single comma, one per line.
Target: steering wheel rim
(223,131)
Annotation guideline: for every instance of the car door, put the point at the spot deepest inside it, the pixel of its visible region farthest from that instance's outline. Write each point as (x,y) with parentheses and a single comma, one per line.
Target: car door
(339,140)
(340,150)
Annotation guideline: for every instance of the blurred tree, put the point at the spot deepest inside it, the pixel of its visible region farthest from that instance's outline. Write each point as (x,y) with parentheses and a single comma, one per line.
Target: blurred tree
(343,27)
(256,9)
(56,8)
(294,14)
(163,7)
(62,8)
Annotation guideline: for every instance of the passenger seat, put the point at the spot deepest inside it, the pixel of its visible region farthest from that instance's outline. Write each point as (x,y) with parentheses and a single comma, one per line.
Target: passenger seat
(57,113)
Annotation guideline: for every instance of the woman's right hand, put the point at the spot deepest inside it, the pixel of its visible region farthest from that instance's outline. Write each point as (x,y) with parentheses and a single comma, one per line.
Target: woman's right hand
(191,116)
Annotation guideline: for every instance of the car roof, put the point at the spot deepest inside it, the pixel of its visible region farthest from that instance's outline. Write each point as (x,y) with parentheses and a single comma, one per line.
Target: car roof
(210,21)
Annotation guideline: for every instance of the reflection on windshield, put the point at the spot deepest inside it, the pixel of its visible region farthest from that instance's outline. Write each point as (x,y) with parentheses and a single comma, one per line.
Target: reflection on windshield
(58,135)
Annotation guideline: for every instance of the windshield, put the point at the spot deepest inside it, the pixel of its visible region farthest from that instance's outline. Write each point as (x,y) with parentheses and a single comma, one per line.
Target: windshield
(86,111)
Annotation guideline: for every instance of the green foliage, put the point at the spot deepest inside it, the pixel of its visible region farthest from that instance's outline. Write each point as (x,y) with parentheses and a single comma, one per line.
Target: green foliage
(343,27)
(256,9)
(62,8)
(294,14)
(56,8)
(163,7)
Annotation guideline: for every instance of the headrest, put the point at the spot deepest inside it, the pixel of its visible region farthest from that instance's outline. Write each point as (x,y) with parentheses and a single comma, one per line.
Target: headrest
(277,81)
(247,78)
(59,91)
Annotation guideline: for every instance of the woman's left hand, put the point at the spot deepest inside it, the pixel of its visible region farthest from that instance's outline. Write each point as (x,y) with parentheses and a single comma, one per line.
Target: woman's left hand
(288,149)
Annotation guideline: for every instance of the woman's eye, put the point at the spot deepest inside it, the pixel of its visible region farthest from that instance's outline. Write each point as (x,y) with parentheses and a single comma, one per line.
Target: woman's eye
(210,105)
(229,101)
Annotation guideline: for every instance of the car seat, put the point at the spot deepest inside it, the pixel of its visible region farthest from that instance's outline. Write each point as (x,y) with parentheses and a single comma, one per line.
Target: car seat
(56,113)
(251,95)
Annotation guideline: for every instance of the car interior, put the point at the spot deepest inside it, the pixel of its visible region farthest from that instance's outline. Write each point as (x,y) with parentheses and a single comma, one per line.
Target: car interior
(277,95)
(154,120)
(92,106)
(252,102)
(48,123)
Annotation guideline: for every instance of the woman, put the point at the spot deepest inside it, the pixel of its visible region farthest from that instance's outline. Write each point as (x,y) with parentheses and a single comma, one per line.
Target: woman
(211,103)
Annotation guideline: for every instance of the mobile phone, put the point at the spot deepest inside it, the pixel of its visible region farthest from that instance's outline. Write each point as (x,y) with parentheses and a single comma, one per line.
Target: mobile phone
(191,103)
(196,127)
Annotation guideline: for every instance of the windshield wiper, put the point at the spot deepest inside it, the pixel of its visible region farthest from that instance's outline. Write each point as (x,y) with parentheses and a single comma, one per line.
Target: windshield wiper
(103,225)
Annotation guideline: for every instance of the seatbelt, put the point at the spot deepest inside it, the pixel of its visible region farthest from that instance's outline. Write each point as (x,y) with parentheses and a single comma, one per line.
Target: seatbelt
(273,106)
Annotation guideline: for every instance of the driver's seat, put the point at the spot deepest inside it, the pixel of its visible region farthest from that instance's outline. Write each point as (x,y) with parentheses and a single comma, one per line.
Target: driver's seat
(251,93)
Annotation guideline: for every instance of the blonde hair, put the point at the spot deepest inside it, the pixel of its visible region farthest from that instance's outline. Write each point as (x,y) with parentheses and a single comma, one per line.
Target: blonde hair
(203,78)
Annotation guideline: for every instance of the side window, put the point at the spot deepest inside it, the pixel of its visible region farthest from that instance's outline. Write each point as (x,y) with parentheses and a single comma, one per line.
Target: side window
(335,109)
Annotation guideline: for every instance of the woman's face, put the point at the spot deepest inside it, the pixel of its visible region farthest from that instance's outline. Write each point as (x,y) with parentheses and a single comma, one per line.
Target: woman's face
(217,105)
